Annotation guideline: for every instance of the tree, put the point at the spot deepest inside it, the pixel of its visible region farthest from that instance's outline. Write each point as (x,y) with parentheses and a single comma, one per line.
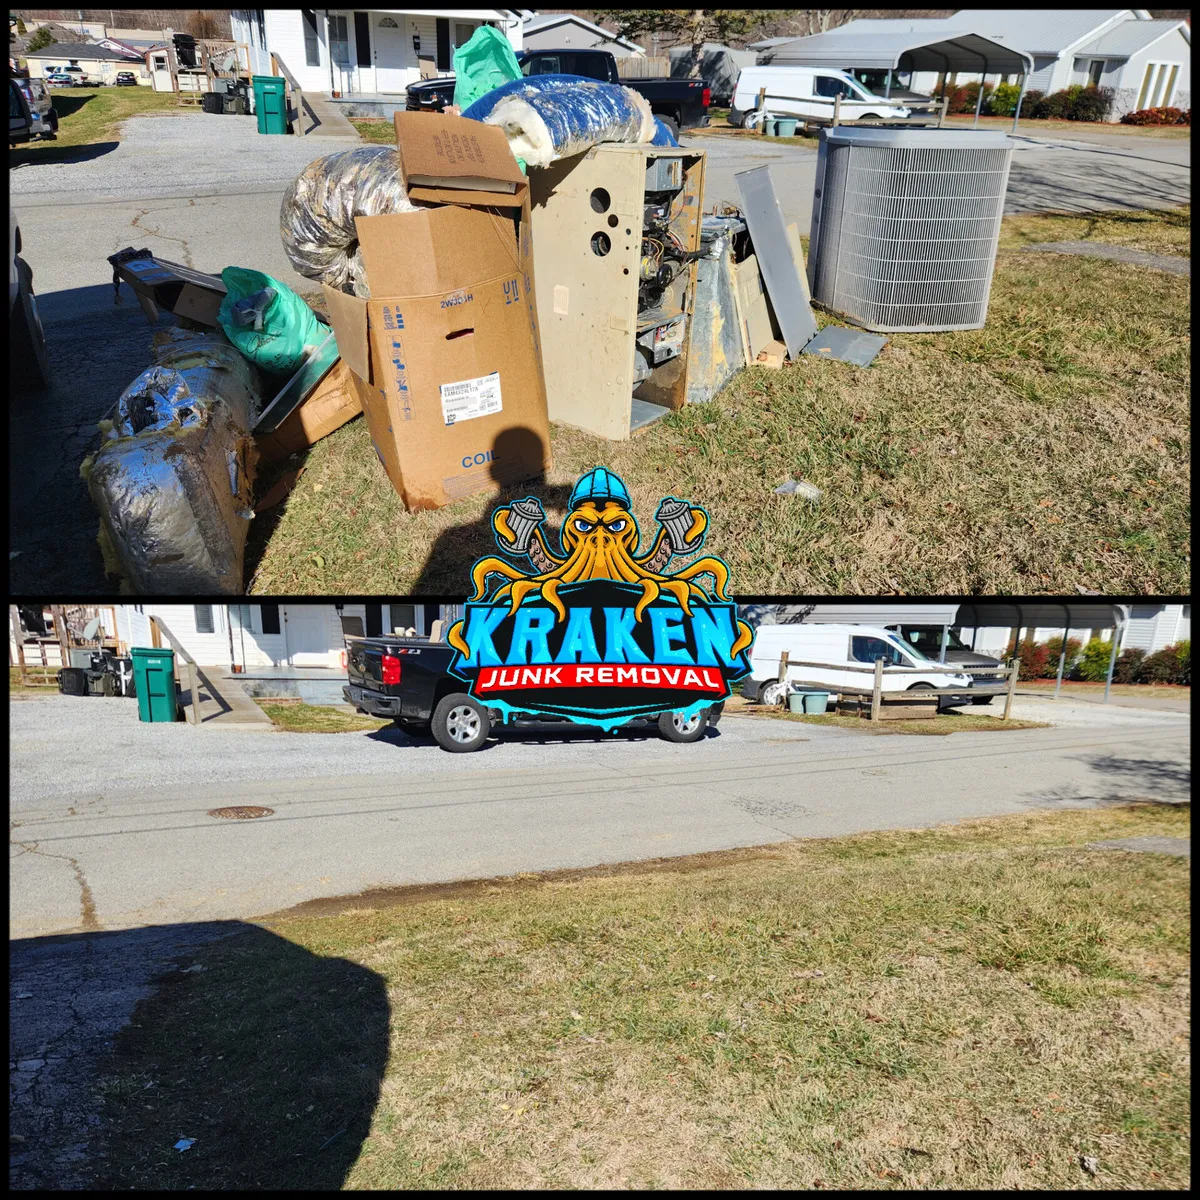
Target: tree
(41,39)
(691,27)
(21,30)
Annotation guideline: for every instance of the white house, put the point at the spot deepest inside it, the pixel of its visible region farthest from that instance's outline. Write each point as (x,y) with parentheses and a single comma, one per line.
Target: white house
(553,31)
(1146,62)
(379,52)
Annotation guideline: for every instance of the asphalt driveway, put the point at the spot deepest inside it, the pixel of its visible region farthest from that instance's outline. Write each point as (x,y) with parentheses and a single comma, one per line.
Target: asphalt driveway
(95,797)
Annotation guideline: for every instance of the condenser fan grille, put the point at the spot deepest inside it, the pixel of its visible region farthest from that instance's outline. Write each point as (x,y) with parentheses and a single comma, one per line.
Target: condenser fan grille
(905,226)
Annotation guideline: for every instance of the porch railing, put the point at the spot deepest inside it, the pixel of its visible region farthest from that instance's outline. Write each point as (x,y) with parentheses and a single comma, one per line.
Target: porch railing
(293,88)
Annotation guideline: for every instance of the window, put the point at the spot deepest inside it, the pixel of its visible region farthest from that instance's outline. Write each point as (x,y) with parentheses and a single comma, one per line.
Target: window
(867,649)
(339,42)
(239,614)
(312,48)
(204,618)
(374,620)
(462,33)
(1158,85)
(543,64)
(362,38)
(1095,71)
(352,627)
(827,86)
(404,616)
(269,615)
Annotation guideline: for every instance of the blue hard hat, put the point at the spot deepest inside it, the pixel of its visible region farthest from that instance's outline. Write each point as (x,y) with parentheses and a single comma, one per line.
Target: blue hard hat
(598,485)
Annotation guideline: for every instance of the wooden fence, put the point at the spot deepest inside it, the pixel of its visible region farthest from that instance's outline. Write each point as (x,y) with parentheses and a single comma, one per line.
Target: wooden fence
(634,67)
(880,698)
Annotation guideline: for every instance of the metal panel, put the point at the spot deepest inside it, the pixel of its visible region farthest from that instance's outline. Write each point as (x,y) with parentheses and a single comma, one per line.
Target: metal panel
(846,345)
(908,227)
(773,250)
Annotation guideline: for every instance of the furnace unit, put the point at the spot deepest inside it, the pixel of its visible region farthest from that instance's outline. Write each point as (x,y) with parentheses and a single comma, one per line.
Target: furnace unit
(616,236)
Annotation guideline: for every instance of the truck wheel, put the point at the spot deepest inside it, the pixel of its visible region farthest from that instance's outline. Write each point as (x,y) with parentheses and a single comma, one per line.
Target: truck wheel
(460,724)
(982,699)
(671,124)
(675,728)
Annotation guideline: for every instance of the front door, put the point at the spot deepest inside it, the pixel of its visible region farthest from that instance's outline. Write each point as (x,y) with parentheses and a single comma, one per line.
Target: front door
(393,48)
(307,635)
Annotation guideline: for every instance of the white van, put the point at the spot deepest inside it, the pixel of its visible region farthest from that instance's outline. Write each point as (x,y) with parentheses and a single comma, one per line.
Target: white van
(841,647)
(807,92)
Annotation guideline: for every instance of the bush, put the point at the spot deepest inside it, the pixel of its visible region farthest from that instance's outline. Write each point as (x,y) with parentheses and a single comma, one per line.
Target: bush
(1032,100)
(1170,665)
(1076,103)
(1129,666)
(41,39)
(1003,100)
(1158,116)
(1093,665)
(1091,104)
(1054,648)
(963,99)
(1035,659)
(21,29)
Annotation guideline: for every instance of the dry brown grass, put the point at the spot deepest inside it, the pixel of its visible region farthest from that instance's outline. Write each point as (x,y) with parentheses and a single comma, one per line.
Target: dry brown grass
(1046,452)
(974,1006)
(318,718)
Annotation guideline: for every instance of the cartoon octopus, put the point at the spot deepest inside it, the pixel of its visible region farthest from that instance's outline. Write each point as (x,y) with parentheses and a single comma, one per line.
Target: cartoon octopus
(600,538)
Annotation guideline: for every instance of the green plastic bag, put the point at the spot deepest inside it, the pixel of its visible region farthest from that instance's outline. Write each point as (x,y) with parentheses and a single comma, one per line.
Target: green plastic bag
(268,322)
(482,65)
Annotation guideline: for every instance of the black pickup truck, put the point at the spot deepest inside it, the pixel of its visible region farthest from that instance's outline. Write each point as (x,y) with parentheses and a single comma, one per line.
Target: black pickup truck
(680,103)
(408,680)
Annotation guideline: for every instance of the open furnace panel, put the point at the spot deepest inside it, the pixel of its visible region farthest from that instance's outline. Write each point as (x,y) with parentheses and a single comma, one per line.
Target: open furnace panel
(616,235)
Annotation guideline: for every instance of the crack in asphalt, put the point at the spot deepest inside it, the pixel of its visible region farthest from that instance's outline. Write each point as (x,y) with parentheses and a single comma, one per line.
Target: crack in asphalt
(89,922)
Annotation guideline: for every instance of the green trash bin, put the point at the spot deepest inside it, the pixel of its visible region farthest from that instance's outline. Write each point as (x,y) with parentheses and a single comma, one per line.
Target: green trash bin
(270,103)
(154,682)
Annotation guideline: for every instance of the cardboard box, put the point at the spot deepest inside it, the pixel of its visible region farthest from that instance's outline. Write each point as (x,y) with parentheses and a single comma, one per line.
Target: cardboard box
(158,283)
(333,403)
(445,355)
(453,161)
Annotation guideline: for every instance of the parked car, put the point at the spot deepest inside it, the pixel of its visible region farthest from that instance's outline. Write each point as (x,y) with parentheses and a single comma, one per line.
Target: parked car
(679,103)
(408,681)
(37,96)
(28,363)
(61,79)
(125,79)
(807,92)
(840,649)
(928,639)
(75,76)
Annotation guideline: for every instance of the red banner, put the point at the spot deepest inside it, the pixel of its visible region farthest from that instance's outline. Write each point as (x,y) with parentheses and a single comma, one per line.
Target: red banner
(574,675)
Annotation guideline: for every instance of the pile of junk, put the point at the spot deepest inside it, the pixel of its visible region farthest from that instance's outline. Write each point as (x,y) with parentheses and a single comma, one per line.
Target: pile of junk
(428,323)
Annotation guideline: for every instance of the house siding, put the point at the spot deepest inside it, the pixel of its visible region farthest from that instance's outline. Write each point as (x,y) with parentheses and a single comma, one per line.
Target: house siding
(577,37)
(1173,48)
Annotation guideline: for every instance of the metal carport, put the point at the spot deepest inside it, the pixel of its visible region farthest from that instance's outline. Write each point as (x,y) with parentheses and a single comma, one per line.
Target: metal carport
(907,51)
(1029,614)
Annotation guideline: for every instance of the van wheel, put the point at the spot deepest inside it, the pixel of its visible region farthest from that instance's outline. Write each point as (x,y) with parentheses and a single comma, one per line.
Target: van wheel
(982,699)
(676,728)
(460,724)
(772,692)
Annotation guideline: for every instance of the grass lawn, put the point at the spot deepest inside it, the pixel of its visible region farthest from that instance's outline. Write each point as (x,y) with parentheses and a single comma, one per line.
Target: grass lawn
(951,721)
(1168,691)
(314,718)
(1033,128)
(16,687)
(1044,453)
(973,1006)
(91,116)
(375,129)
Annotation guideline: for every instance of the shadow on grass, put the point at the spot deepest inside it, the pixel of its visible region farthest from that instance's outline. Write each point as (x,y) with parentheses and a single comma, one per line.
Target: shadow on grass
(269,1056)
(45,154)
(68,103)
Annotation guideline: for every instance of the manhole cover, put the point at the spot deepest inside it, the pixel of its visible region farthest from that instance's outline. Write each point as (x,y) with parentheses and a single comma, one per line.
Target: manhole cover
(241,812)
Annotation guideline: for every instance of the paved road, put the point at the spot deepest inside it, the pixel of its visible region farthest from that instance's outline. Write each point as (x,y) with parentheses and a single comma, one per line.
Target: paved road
(354,812)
